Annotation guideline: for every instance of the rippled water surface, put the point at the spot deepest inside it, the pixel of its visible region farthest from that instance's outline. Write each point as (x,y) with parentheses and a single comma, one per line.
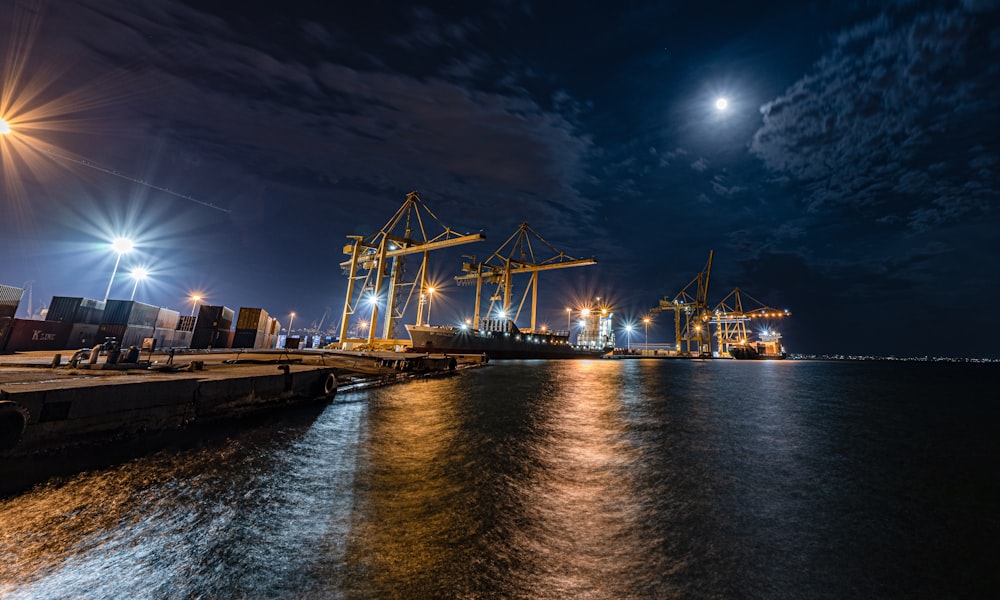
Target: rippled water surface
(552,479)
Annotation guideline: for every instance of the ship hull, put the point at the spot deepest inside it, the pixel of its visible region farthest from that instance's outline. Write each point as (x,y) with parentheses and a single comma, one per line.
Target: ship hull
(750,353)
(495,344)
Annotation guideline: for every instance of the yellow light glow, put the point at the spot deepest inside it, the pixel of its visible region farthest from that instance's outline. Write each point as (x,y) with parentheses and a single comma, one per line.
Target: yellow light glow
(4,126)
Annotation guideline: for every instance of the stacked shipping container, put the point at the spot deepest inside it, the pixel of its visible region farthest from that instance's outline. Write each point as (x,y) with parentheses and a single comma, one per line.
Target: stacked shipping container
(127,321)
(211,330)
(252,329)
(84,314)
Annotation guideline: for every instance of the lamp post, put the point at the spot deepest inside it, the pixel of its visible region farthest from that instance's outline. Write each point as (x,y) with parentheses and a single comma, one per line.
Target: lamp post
(628,337)
(291,316)
(121,246)
(645,343)
(195,299)
(430,300)
(138,274)
(569,319)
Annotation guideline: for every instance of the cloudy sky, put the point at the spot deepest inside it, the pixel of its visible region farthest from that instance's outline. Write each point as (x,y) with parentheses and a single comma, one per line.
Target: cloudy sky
(852,178)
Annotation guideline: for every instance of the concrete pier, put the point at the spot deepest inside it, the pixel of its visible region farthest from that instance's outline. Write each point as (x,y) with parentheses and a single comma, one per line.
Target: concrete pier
(46,405)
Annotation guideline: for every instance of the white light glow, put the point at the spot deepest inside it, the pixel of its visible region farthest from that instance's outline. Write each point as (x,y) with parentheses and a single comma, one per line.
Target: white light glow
(721,103)
(122,245)
(4,126)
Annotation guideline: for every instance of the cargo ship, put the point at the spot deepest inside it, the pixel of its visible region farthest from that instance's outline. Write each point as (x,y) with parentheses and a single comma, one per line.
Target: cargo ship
(502,339)
(768,347)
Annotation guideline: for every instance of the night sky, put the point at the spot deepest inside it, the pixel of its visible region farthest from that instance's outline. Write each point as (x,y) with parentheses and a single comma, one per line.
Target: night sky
(852,179)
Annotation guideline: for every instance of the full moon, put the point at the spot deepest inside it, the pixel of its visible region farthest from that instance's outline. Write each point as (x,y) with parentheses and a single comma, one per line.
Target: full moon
(721,103)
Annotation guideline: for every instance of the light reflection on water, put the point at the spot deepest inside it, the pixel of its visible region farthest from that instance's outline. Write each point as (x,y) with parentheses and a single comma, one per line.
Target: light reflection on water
(534,479)
(247,515)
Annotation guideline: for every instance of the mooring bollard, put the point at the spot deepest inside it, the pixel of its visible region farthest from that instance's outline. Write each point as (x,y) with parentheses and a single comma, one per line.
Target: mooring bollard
(56,361)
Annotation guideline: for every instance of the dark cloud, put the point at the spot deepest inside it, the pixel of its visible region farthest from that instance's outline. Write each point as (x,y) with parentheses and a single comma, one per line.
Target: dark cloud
(868,125)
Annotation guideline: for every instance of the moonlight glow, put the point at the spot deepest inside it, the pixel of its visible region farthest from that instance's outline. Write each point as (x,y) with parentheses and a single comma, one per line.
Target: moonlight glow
(721,103)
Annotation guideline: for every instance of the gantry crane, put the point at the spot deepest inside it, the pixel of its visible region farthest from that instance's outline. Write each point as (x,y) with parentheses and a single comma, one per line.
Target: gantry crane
(515,256)
(378,264)
(731,318)
(696,317)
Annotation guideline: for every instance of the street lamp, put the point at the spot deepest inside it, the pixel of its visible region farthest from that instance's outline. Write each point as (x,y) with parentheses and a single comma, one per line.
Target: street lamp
(138,274)
(121,246)
(628,337)
(291,316)
(195,299)
(645,343)
(430,300)
(569,319)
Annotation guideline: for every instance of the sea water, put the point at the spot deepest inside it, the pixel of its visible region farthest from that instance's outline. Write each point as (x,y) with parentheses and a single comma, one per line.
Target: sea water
(551,479)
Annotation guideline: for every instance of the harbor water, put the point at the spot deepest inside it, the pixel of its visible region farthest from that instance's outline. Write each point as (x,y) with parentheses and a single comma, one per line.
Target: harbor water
(551,479)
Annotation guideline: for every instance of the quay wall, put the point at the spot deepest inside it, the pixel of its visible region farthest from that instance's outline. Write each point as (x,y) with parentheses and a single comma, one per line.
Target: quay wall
(77,412)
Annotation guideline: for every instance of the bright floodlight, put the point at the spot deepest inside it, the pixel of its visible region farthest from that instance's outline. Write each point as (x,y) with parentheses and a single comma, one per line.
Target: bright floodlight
(138,274)
(122,245)
(4,126)
(721,103)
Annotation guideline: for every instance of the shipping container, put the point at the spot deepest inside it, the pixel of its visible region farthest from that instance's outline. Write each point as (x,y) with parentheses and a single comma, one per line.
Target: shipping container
(10,298)
(167,319)
(182,339)
(186,323)
(125,335)
(130,312)
(108,331)
(214,317)
(251,339)
(82,335)
(135,334)
(164,337)
(5,323)
(75,310)
(63,309)
(29,334)
(252,319)
(245,339)
(202,339)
